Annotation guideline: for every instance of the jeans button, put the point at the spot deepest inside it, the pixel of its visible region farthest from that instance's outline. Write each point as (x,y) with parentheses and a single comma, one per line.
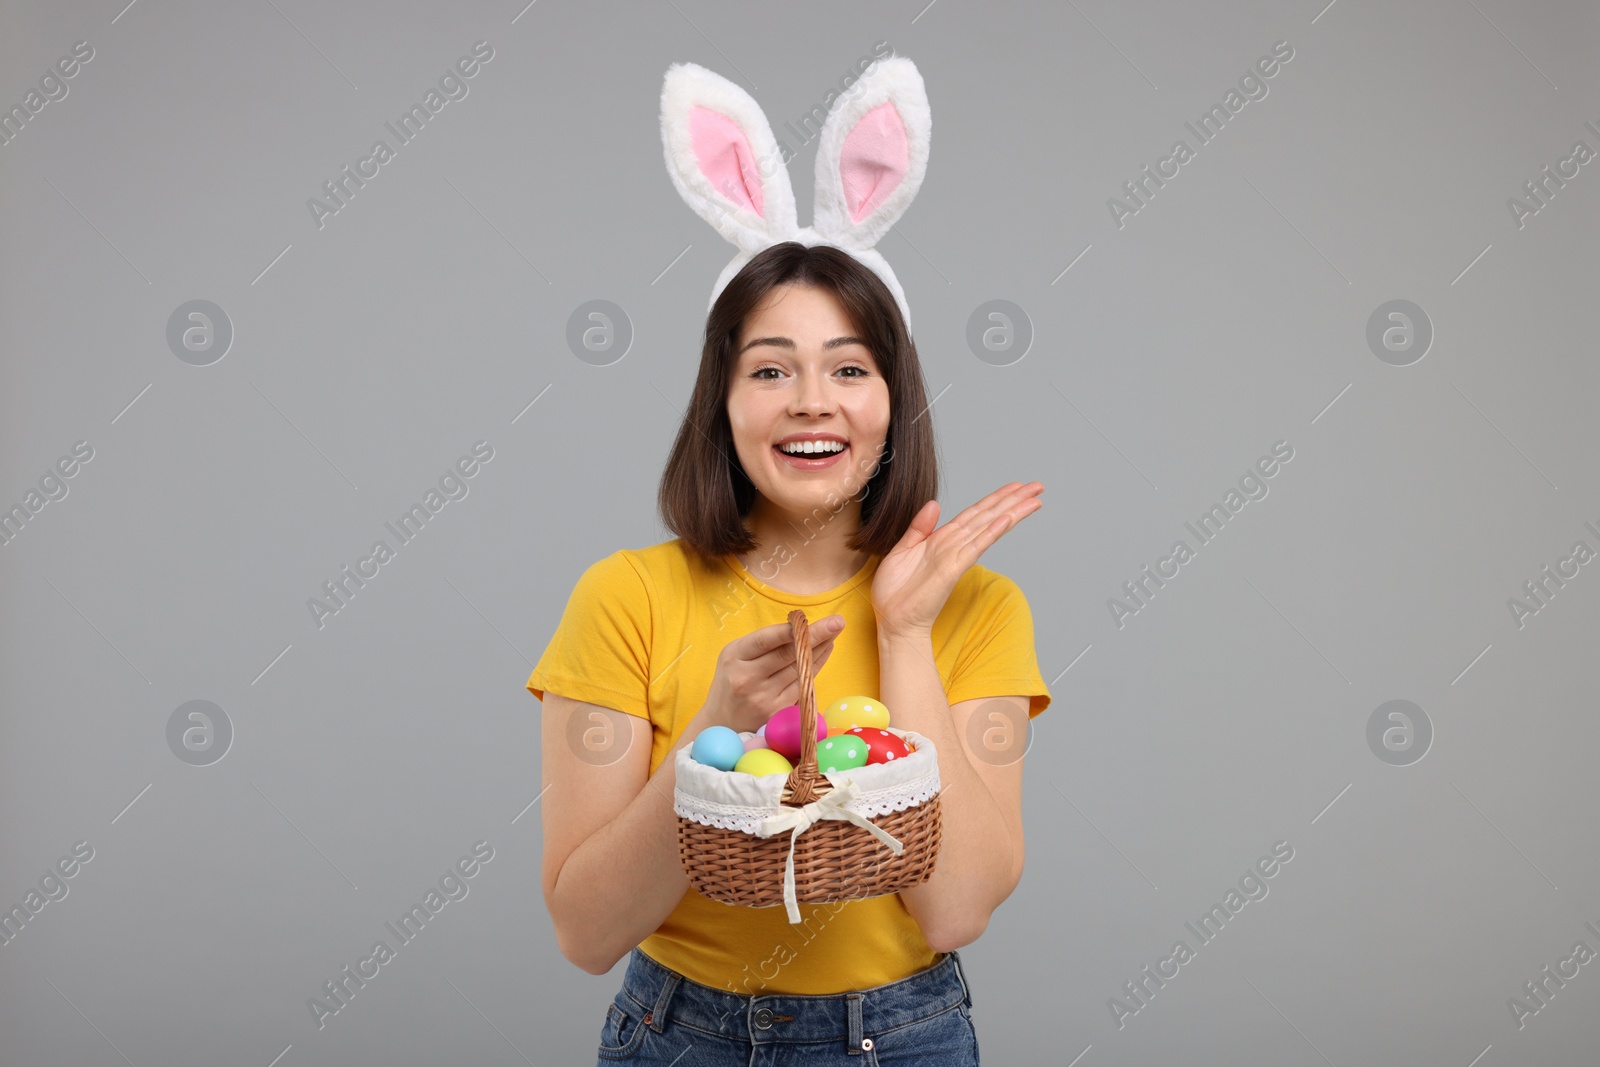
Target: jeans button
(763,1018)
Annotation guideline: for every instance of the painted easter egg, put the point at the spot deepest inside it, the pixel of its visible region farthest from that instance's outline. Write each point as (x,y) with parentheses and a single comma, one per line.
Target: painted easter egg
(717,746)
(760,761)
(842,753)
(783,732)
(847,713)
(882,746)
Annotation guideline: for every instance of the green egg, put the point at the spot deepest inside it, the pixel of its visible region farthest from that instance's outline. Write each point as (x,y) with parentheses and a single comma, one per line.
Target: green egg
(841,754)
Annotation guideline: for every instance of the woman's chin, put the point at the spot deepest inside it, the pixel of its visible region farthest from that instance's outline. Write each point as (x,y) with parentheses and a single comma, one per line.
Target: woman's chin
(803,499)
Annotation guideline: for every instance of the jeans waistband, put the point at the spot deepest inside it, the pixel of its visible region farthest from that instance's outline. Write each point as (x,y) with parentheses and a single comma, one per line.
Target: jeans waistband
(665,994)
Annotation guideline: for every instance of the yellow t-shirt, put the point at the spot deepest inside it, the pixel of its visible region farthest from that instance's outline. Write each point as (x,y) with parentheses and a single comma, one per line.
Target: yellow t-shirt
(641,633)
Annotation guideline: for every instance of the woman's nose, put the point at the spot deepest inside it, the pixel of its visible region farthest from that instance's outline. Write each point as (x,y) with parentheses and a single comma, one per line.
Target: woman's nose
(811,394)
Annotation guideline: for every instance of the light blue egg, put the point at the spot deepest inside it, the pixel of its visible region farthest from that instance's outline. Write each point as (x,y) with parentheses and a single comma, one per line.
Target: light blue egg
(717,746)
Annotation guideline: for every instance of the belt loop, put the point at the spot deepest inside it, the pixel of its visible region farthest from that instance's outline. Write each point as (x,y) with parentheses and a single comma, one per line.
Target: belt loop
(853,1023)
(658,1014)
(966,994)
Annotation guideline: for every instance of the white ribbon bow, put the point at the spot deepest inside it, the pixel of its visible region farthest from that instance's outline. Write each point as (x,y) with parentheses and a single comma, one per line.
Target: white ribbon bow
(798,820)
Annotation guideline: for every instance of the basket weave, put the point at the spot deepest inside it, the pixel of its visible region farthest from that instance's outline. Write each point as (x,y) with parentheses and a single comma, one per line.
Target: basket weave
(834,860)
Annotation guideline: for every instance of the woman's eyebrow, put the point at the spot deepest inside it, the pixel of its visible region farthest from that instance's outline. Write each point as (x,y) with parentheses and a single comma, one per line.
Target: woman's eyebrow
(784,342)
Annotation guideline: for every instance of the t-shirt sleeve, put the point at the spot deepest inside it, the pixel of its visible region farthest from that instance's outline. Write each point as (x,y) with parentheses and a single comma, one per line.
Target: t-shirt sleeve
(600,652)
(999,657)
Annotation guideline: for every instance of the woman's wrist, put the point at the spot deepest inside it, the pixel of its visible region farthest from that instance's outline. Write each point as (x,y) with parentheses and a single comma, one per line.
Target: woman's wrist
(913,635)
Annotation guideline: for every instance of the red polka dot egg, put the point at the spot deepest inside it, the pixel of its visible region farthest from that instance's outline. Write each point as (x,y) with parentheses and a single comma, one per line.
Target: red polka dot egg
(882,746)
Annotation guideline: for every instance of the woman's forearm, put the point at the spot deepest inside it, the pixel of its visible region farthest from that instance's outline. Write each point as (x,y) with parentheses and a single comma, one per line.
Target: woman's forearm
(618,887)
(973,872)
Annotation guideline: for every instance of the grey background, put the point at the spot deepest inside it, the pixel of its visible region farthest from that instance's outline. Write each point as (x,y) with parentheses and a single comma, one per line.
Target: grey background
(370,354)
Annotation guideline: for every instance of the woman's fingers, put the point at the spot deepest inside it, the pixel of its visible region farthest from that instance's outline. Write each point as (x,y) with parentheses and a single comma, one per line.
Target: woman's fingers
(921,526)
(1005,500)
(1016,503)
(770,647)
(978,507)
(766,640)
(773,665)
(1002,523)
(820,655)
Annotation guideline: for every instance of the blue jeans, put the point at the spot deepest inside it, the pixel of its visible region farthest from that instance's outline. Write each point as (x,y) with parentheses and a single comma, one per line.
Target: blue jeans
(659,1017)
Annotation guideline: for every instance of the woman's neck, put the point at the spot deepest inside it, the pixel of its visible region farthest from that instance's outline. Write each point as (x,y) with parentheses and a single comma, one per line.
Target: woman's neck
(804,554)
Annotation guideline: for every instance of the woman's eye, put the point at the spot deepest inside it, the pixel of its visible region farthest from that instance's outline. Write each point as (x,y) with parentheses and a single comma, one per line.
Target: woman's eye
(760,373)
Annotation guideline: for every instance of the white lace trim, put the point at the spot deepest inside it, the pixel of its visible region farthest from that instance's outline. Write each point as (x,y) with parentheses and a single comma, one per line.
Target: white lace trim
(743,802)
(748,819)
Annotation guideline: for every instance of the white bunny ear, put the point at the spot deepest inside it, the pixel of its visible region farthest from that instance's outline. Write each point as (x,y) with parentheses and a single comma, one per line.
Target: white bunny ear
(873,154)
(723,159)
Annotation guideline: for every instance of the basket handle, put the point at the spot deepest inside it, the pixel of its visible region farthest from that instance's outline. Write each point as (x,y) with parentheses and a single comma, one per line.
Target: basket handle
(804,779)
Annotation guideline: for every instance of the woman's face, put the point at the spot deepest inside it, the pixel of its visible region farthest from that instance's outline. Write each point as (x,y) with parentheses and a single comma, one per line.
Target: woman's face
(800,372)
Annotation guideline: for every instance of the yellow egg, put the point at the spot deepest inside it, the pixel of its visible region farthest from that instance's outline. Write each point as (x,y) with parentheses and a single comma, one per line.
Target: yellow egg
(850,712)
(759,761)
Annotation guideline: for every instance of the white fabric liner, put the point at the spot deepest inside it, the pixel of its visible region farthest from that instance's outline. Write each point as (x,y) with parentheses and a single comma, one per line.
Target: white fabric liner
(754,804)
(738,801)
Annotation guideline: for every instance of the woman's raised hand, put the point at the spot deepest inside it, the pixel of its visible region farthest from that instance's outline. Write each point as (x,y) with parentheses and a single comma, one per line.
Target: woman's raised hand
(757,674)
(917,576)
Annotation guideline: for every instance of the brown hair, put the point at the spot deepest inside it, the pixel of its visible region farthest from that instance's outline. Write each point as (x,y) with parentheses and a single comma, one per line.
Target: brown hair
(705,492)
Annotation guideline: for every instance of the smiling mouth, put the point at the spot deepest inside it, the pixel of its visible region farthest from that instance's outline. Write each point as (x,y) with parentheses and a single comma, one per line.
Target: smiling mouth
(811,460)
(829,448)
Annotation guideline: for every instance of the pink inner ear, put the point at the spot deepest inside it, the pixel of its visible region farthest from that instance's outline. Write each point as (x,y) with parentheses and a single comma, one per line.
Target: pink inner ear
(874,160)
(725,158)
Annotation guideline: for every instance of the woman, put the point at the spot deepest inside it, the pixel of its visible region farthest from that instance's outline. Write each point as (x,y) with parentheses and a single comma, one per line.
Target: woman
(656,644)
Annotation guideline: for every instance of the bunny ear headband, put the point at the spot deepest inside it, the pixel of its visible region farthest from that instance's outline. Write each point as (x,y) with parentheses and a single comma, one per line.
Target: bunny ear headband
(872,155)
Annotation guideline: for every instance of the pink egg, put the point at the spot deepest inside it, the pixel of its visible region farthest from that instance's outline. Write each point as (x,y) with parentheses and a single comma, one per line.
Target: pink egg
(783,732)
(754,741)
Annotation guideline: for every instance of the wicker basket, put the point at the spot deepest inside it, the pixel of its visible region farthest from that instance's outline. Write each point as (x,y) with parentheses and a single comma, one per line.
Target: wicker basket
(808,837)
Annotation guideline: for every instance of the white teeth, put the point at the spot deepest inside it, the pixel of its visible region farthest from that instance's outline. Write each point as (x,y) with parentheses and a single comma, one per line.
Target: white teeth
(806,447)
